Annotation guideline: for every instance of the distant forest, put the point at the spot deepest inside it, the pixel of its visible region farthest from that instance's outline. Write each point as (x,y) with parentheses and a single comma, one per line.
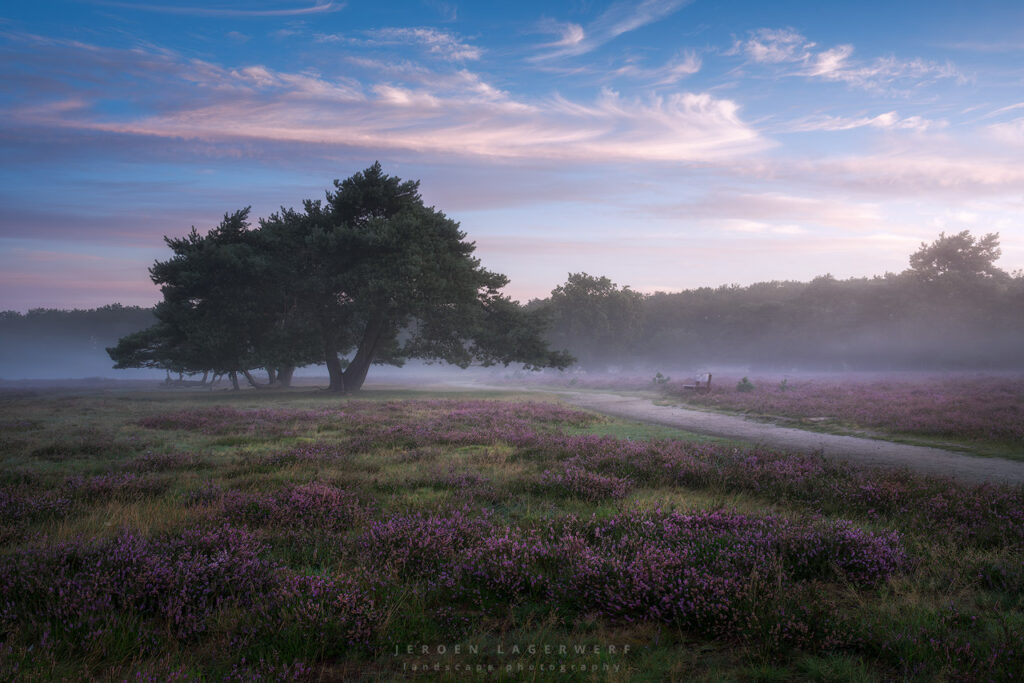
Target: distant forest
(952,309)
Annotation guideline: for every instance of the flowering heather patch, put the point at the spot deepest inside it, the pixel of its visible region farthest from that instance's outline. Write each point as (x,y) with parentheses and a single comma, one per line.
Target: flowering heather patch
(375,418)
(317,452)
(82,595)
(464,483)
(327,613)
(574,481)
(30,502)
(461,423)
(80,592)
(81,443)
(226,420)
(205,494)
(983,515)
(115,486)
(423,545)
(24,503)
(164,462)
(313,506)
(705,570)
(969,408)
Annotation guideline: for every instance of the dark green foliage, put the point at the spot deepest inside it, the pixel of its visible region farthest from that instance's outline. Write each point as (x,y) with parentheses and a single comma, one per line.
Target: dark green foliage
(370,275)
(599,320)
(960,255)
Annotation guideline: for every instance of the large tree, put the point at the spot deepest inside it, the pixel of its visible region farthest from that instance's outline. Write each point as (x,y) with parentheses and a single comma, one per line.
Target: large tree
(384,278)
(369,275)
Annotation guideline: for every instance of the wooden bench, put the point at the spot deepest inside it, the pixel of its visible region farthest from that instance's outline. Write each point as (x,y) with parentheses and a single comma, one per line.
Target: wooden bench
(701,384)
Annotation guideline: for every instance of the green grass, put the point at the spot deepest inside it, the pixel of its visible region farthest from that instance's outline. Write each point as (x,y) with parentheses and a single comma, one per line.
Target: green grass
(641,431)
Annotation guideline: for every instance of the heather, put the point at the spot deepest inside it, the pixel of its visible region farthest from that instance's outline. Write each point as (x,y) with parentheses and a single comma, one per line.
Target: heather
(965,409)
(299,536)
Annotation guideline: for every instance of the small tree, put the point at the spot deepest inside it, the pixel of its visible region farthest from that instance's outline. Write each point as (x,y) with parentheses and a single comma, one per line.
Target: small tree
(960,255)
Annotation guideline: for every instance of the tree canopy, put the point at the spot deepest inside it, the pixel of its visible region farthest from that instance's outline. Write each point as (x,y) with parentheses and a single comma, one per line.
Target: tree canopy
(368,275)
(960,255)
(595,309)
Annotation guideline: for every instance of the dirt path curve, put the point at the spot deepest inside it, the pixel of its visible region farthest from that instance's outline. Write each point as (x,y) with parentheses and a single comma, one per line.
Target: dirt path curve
(863,451)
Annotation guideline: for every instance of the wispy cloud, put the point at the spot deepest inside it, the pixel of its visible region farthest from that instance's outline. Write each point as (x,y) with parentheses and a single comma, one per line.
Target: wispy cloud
(773,208)
(773,46)
(887,121)
(1009,132)
(441,44)
(669,73)
(908,173)
(452,113)
(682,128)
(618,19)
(1003,110)
(438,43)
(788,47)
(836,65)
(211,10)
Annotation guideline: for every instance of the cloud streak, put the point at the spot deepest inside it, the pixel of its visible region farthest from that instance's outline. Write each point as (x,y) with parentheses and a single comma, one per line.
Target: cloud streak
(618,19)
(787,47)
(450,113)
(887,121)
(205,10)
(441,44)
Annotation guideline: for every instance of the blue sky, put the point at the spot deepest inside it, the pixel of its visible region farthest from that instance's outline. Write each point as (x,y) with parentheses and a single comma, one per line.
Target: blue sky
(666,144)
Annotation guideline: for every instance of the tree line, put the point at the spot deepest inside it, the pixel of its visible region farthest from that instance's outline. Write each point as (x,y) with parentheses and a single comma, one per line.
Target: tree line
(951,308)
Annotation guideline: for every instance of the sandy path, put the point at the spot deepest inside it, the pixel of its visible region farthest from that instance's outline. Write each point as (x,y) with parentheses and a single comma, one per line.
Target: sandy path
(863,451)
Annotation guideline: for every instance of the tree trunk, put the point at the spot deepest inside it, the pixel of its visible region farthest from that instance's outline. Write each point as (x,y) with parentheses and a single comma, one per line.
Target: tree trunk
(234,380)
(251,379)
(336,373)
(206,373)
(355,373)
(284,375)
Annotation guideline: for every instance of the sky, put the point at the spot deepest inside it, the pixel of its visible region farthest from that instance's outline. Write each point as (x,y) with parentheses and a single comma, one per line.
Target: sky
(665,144)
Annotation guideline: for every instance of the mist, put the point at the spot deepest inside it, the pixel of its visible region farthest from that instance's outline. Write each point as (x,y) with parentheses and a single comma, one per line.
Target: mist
(952,310)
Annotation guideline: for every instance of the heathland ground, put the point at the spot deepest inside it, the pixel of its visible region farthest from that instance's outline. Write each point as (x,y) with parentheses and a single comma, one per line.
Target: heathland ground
(400,534)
